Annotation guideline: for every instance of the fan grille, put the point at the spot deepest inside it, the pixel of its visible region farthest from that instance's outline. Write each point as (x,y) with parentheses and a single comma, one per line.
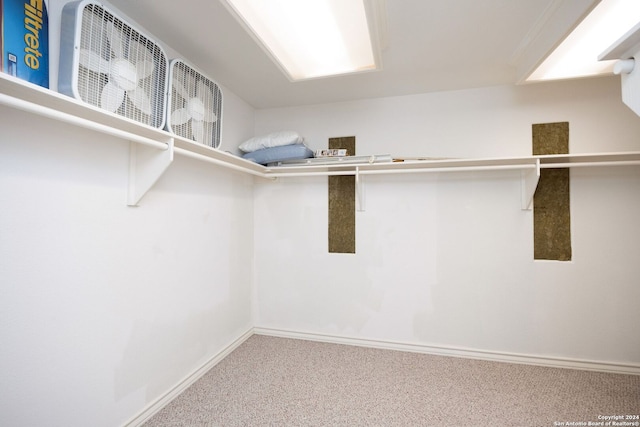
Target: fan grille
(189,87)
(125,73)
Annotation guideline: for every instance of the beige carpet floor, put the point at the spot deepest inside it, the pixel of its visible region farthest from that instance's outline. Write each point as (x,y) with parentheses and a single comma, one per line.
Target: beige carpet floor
(270,381)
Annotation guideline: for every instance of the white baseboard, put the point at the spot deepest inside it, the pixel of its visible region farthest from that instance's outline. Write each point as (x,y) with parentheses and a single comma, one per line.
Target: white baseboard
(163,400)
(587,365)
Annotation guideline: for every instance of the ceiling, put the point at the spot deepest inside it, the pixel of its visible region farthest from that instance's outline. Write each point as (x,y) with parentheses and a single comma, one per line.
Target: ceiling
(431,45)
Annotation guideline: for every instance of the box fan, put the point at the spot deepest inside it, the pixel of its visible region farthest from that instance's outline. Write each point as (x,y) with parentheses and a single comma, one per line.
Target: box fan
(195,105)
(107,63)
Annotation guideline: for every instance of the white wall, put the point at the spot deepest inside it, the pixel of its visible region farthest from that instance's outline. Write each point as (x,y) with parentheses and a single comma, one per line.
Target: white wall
(447,259)
(105,307)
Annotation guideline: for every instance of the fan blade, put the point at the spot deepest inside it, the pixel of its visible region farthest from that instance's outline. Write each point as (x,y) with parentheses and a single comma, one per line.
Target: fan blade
(180,89)
(203,92)
(144,69)
(138,51)
(93,61)
(210,116)
(197,128)
(140,99)
(142,57)
(111,97)
(115,39)
(180,117)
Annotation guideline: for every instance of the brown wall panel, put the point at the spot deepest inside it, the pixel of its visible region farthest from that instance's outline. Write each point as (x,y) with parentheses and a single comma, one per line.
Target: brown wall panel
(342,204)
(552,201)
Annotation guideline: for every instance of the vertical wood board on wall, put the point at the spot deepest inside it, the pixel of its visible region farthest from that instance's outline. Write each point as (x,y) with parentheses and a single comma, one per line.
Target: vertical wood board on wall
(552,204)
(342,204)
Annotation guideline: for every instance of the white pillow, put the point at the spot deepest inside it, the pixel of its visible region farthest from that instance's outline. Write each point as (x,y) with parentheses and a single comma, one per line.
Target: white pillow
(274,139)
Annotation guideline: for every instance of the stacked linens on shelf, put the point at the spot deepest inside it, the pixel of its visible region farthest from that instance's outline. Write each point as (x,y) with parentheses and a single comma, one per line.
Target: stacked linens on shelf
(275,147)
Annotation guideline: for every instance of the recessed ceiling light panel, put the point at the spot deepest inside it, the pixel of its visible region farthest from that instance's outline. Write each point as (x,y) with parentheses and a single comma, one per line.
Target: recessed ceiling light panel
(312,38)
(577,55)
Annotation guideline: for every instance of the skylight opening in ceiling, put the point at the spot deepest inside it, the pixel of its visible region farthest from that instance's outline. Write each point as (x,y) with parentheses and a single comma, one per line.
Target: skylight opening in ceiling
(312,38)
(577,55)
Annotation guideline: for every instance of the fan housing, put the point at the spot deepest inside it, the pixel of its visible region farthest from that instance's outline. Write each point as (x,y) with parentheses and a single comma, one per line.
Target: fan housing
(194,108)
(106,62)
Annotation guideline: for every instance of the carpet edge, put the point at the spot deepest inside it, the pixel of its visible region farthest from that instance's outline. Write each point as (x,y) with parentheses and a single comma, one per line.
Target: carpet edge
(551,362)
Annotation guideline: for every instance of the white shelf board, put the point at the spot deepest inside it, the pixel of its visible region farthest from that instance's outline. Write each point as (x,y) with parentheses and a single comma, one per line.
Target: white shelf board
(35,99)
(45,102)
(452,165)
(590,159)
(529,167)
(146,167)
(199,151)
(148,163)
(406,166)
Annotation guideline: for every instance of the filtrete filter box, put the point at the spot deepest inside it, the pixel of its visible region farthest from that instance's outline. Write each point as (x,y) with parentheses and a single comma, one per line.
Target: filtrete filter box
(24,32)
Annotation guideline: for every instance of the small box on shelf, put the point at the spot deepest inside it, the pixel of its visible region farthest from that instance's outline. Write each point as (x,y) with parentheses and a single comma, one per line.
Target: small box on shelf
(332,152)
(24,37)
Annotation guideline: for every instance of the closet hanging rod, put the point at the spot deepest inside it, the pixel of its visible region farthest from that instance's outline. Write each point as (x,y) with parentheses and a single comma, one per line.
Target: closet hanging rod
(50,113)
(589,164)
(202,157)
(404,171)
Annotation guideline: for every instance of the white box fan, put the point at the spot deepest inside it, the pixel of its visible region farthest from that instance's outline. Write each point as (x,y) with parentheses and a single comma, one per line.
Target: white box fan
(195,105)
(107,63)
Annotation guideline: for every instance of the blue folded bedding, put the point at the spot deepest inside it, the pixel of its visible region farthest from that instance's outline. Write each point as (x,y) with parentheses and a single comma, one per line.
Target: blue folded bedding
(280,153)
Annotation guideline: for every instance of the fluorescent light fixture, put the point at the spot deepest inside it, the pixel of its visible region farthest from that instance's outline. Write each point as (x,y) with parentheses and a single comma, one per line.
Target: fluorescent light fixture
(577,55)
(310,38)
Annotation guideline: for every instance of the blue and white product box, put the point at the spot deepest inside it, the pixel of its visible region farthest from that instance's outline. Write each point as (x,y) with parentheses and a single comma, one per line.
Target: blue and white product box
(24,37)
